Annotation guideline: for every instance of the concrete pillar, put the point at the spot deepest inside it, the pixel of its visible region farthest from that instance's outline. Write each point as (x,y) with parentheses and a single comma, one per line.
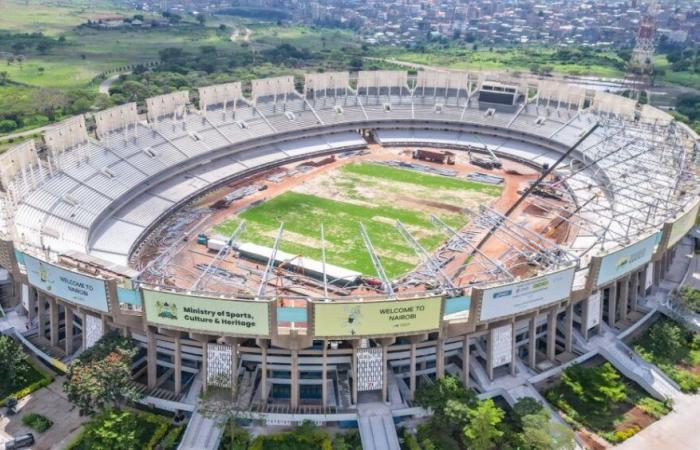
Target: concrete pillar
(294,391)
(634,290)
(532,342)
(385,372)
(83,333)
(612,304)
(354,372)
(600,312)
(263,378)
(552,334)
(569,328)
(624,296)
(657,273)
(69,330)
(31,303)
(151,358)
(412,380)
(512,348)
(40,315)
(178,366)
(440,358)
(324,375)
(584,318)
(53,322)
(465,361)
(489,355)
(234,367)
(205,358)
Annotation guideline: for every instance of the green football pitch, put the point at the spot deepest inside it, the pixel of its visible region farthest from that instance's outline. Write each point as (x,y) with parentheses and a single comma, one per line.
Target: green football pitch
(366,193)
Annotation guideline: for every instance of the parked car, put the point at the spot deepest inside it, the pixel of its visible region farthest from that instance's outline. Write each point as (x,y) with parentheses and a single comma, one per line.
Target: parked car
(20,442)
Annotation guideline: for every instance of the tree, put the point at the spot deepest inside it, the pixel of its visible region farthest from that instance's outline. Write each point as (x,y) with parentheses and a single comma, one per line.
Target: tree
(101,376)
(525,407)
(482,430)
(540,433)
(43,46)
(201,19)
(447,396)
(596,387)
(12,357)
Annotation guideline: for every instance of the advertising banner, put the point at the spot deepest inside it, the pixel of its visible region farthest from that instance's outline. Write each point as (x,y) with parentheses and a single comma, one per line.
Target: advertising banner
(502,345)
(70,286)
(593,310)
(25,297)
(681,226)
(649,280)
(217,315)
(507,300)
(350,319)
(625,260)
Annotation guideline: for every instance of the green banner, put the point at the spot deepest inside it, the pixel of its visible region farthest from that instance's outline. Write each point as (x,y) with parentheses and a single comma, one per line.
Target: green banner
(223,316)
(351,319)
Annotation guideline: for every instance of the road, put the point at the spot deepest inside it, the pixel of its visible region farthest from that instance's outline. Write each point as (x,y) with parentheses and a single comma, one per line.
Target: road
(108,82)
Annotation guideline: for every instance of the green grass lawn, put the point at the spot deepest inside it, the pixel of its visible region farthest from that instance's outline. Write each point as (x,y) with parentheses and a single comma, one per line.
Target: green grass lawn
(518,58)
(53,17)
(368,193)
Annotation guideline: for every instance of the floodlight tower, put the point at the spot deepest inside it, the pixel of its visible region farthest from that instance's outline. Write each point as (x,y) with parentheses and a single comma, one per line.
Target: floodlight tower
(641,65)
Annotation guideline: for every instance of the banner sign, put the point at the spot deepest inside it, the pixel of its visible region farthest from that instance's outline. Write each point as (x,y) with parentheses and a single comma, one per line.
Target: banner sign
(650,277)
(681,226)
(502,345)
(625,260)
(70,286)
(593,310)
(521,296)
(216,315)
(350,319)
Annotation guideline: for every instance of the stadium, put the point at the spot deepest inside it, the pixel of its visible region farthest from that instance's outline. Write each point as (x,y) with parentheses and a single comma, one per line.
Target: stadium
(317,245)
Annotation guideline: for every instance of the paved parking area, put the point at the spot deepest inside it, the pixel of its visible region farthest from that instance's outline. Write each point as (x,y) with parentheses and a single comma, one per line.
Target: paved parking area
(52,403)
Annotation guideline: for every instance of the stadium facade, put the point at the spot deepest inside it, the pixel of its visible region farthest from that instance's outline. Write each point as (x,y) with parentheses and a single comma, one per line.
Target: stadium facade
(79,205)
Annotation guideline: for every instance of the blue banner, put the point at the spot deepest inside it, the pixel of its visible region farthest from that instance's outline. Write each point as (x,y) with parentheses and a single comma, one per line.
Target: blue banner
(70,286)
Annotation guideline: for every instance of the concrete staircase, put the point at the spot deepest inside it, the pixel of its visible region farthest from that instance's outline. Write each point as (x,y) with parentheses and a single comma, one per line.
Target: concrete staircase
(201,434)
(377,428)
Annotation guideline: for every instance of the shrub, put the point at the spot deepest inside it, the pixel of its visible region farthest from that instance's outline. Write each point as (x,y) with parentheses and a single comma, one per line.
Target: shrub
(171,439)
(623,435)
(7,125)
(27,373)
(37,422)
(653,407)
(122,430)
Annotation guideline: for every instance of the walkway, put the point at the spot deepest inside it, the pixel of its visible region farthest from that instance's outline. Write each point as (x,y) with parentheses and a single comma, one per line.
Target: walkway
(676,431)
(201,434)
(377,428)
